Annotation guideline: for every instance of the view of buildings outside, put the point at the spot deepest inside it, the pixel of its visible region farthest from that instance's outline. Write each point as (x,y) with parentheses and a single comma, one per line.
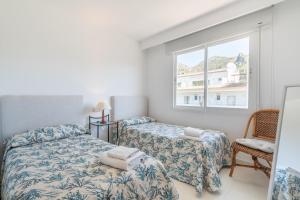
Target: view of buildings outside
(227,75)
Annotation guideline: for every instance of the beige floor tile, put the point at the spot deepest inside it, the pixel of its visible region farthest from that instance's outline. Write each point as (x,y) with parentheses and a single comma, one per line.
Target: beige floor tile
(246,184)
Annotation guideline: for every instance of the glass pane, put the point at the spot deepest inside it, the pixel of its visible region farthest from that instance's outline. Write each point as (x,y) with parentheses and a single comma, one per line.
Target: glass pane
(190,78)
(227,76)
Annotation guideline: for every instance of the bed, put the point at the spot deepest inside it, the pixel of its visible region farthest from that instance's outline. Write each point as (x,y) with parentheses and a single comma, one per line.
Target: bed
(194,162)
(60,162)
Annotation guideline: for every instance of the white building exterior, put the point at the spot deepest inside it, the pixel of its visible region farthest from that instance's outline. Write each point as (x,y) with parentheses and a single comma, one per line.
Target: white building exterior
(226,88)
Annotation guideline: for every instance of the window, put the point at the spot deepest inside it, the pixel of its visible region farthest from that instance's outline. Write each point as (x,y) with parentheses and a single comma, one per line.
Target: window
(218,72)
(190,73)
(186,100)
(230,60)
(231,100)
(198,83)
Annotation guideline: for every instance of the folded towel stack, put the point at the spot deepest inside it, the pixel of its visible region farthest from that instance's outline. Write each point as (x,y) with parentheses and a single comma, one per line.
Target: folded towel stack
(121,157)
(122,152)
(192,133)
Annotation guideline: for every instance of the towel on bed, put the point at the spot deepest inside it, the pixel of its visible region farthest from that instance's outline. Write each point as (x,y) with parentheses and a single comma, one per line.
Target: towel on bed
(192,132)
(122,152)
(189,137)
(121,164)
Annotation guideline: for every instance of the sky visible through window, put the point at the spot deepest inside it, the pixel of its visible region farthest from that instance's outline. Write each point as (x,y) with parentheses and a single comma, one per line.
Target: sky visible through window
(191,59)
(228,49)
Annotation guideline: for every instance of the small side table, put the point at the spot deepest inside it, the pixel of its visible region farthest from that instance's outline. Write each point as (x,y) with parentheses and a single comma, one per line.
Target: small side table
(96,121)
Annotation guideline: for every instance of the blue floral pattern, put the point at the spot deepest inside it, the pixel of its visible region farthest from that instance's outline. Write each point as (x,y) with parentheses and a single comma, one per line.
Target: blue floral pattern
(195,162)
(286,185)
(61,163)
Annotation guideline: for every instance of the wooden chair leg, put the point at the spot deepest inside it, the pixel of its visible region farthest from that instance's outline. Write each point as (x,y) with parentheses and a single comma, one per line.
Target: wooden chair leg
(233,162)
(263,168)
(255,162)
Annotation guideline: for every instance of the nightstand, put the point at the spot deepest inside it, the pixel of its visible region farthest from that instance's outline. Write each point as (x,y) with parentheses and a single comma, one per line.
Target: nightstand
(96,121)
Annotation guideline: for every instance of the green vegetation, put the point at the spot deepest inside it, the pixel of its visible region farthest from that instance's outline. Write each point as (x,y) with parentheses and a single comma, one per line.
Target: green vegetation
(216,63)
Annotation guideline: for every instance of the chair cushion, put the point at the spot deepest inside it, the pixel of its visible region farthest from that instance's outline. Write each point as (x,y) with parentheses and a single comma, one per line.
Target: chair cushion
(261,145)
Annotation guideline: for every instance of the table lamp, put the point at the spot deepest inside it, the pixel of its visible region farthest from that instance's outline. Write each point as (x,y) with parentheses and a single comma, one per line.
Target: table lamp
(101,107)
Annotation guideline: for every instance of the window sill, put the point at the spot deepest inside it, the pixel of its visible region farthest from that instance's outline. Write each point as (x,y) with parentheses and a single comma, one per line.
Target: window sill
(221,110)
(189,108)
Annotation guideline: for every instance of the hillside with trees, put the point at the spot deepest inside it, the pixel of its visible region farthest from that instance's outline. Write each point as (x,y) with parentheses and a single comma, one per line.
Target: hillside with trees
(216,63)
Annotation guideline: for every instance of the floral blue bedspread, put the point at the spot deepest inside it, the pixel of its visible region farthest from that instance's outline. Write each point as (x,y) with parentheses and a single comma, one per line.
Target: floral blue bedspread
(61,163)
(194,162)
(286,185)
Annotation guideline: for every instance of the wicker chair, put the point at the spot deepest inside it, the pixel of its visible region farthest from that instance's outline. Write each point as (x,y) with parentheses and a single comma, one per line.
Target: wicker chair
(264,128)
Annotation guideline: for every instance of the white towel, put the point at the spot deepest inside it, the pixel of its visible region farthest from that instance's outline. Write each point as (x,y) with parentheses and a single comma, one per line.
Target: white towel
(121,164)
(192,132)
(122,152)
(190,137)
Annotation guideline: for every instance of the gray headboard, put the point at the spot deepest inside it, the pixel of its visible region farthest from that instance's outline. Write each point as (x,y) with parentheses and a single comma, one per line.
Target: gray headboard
(21,113)
(124,107)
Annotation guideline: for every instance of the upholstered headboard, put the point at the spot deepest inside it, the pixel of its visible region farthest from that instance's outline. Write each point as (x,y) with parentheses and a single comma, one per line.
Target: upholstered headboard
(21,113)
(124,107)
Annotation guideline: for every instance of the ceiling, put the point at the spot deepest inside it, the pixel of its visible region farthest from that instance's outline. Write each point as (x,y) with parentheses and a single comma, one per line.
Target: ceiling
(141,19)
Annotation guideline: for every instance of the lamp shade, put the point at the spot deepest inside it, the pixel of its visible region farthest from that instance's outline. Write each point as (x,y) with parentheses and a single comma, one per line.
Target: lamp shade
(102,105)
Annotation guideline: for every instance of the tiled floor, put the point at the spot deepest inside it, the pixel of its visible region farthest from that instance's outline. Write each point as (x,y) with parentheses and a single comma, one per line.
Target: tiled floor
(246,184)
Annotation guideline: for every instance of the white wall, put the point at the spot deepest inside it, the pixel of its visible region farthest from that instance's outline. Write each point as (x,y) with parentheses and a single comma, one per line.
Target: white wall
(290,137)
(275,71)
(55,47)
(286,46)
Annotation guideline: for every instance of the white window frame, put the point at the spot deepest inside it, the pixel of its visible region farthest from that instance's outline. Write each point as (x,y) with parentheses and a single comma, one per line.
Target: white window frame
(253,74)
